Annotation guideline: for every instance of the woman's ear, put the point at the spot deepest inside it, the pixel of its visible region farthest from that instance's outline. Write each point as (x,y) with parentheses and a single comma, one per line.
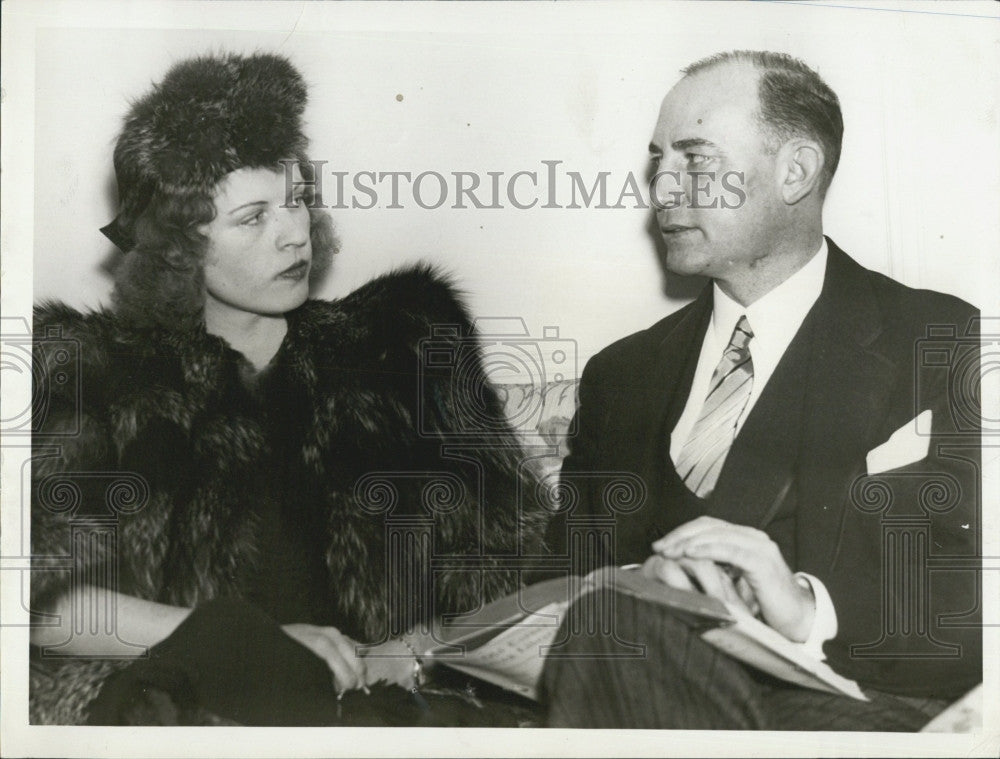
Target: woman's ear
(803,162)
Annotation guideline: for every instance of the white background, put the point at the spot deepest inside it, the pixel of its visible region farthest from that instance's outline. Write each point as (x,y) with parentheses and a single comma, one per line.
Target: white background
(491,88)
(916,195)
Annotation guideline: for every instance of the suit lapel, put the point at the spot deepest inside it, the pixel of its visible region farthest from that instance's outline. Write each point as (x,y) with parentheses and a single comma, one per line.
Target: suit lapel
(802,434)
(676,363)
(646,414)
(806,425)
(847,383)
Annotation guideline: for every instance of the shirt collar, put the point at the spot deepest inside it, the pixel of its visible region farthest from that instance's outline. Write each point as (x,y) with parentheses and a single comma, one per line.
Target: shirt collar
(776,316)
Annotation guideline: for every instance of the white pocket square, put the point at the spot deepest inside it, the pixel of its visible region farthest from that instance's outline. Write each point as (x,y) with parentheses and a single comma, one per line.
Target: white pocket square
(903,447)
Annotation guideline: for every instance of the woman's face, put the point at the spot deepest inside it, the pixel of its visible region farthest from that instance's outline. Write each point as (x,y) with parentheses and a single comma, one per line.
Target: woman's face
(259,253)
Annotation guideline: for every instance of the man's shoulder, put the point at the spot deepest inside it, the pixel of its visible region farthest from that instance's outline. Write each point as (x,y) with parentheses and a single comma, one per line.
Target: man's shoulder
(901,306)
(911,305)
(910,311)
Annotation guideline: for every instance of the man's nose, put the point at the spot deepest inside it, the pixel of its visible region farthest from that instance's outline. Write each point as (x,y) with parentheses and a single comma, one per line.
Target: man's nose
(667,189)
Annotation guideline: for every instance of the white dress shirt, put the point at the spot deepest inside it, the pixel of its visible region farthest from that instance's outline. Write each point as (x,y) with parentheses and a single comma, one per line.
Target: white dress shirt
(774,319)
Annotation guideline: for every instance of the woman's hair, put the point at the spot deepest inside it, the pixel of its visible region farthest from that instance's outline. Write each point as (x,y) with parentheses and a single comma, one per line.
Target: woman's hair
(209,116)
(161,281)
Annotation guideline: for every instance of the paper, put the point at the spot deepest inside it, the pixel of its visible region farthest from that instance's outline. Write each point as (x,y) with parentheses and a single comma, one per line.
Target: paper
(514,658)
(502,643)
(754,643)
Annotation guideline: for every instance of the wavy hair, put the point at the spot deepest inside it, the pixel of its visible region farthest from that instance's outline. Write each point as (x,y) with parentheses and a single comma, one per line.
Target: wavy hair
(161,282)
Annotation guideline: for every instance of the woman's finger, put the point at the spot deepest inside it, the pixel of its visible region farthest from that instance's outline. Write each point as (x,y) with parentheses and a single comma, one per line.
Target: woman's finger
(344,676)
(334,648)
(347,649)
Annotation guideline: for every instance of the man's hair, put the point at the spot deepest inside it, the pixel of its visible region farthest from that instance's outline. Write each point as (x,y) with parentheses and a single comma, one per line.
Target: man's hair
(794,102)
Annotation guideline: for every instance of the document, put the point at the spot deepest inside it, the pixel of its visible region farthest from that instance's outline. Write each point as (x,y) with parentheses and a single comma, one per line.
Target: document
(505,642)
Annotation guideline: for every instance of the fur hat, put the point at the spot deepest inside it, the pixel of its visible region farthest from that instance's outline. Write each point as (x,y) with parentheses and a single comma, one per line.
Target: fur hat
(209,116)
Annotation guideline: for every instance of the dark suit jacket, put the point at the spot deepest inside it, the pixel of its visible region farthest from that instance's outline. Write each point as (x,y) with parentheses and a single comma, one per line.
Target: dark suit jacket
(896,551)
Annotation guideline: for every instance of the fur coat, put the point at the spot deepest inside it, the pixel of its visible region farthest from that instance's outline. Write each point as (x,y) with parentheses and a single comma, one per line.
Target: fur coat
(142,439)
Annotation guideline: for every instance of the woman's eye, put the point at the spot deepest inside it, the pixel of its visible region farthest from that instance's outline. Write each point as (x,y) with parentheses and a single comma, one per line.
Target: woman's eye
(250,221)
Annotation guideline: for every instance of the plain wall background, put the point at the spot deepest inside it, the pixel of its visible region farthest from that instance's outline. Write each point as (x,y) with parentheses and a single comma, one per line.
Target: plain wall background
(916,195)
(496,88)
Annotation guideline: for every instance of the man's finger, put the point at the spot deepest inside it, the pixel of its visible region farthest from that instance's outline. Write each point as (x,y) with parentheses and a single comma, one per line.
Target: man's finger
(752,551)
(747,596)
(708,576)
(668,572)
(749,559)
(704,530)
(685,531)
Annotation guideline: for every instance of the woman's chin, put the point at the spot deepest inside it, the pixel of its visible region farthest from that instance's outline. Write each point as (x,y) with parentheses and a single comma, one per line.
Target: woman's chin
(291,300)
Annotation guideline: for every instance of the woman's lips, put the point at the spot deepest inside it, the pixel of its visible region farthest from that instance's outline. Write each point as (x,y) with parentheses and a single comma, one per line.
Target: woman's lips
(295,271)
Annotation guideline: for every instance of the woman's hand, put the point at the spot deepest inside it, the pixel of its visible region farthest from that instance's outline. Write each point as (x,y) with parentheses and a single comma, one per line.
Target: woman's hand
(391,662)
(337,650)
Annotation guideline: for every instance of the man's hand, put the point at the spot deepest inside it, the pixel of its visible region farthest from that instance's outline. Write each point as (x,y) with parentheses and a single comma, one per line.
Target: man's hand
(703,576)
(785,605)
(336,649)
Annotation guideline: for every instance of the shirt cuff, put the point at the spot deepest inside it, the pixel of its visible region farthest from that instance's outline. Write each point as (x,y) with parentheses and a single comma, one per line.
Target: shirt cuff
(824,625)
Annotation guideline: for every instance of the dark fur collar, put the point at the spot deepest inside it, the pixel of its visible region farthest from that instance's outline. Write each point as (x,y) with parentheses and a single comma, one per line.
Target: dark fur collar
(170,408)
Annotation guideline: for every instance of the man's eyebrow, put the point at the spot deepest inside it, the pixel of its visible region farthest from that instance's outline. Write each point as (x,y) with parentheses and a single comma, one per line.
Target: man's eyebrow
(692,142)
(247,205)
(654,148)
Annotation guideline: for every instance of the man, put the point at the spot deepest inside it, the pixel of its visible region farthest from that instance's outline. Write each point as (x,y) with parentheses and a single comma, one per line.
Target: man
(762,420)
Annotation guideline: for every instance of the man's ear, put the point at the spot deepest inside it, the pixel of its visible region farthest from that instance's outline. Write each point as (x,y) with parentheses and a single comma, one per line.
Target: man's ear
(802,161)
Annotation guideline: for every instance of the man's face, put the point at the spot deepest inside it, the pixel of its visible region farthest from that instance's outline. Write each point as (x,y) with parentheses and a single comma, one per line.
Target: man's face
(708,138)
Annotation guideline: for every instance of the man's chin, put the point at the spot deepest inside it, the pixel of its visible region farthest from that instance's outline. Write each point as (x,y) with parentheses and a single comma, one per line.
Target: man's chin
(684,261)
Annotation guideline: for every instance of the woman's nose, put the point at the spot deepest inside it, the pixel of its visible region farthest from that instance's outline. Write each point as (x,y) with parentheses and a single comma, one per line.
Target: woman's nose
(293,227)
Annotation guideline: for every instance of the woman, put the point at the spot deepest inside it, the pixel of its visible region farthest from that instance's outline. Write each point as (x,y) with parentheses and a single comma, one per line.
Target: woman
(252,482)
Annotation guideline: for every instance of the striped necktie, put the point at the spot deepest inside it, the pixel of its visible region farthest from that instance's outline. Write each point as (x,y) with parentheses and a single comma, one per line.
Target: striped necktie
(702,456)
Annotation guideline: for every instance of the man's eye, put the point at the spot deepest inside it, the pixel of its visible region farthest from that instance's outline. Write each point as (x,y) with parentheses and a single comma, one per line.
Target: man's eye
(696,159)
(655,158)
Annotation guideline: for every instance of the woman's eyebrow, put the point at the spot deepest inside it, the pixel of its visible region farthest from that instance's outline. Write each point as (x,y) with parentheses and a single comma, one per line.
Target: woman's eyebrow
(247,205)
